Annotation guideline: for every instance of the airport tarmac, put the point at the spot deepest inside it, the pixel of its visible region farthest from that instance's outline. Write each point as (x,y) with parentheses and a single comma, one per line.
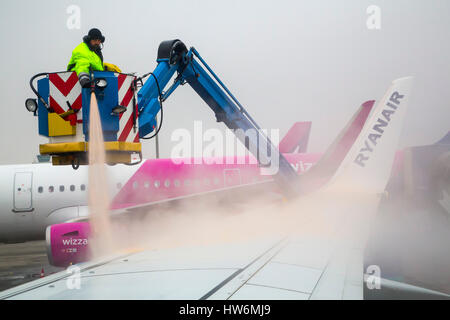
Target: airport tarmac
(23,262)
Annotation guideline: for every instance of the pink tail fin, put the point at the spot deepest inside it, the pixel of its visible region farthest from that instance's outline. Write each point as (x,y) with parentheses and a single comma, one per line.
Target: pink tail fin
(296,139)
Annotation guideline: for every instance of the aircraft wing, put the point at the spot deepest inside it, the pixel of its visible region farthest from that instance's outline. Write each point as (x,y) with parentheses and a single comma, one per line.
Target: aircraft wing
(297,267)
(294,268)
(238,193)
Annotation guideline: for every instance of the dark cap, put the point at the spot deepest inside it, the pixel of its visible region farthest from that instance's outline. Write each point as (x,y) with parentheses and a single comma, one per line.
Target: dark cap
(95,34)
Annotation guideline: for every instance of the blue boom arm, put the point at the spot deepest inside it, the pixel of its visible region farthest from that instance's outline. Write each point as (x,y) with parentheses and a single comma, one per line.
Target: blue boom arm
(173,56)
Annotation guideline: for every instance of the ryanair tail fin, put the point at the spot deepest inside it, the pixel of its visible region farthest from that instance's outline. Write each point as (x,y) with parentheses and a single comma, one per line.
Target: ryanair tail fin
(296,139)
(367,165)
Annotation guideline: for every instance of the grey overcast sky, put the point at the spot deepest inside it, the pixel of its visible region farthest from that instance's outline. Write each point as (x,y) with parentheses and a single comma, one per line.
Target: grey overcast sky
(285,61)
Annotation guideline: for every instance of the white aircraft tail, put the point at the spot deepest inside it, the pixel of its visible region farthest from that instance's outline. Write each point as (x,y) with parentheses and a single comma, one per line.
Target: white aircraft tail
(367,166)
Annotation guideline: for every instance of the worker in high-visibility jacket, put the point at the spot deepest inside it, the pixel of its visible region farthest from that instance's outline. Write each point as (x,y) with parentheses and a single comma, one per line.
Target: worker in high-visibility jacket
(88,56)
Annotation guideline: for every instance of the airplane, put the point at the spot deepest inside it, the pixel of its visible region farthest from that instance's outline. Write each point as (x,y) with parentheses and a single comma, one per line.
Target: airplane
(319,258)
(39,195)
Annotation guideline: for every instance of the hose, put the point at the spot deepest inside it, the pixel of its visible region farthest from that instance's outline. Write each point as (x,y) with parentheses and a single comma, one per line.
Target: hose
(37,93)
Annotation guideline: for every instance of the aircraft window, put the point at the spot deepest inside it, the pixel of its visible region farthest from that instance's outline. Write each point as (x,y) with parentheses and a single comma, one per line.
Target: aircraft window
(156,183)
(206,182)
(61,188)
(51,189)
(41,189)
(72,187)
(135,185)
(167,183)
(146,184)
(187,182)
(176,183)
(216,181)
(83,187)
(119,185)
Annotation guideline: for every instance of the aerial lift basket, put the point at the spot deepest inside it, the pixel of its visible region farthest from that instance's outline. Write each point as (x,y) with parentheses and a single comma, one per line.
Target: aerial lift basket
(63,110)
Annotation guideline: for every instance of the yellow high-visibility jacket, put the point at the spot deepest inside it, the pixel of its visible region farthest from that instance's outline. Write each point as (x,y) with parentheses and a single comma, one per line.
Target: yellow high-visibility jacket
(83,58)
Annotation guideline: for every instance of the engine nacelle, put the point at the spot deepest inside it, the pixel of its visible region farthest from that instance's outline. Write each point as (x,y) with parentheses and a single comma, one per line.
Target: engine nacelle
(68,243)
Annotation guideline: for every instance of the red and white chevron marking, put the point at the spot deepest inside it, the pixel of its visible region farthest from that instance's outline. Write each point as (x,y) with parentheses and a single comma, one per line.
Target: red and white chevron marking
(126,130)
(63,87)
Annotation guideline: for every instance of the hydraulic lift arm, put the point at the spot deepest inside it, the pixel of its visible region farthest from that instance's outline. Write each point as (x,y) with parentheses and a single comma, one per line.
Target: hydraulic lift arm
(173,56)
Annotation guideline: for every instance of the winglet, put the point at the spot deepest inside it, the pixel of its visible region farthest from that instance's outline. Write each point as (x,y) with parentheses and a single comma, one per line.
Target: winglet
(367,166)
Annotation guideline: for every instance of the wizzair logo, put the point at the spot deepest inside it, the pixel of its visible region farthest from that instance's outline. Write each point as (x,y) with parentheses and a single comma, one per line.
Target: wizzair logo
(378,129)
(75,242)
